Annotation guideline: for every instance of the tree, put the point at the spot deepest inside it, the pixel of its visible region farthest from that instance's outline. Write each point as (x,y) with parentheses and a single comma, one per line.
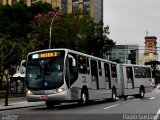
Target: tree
(154,64)
(98,38)
(39,7)
(155,70)
(14,20)
(65,31)
(70,31)
(10,54)
(39,37)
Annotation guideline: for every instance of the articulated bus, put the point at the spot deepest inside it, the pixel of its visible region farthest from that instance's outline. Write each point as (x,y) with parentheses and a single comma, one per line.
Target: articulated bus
(62,75)
(134,80)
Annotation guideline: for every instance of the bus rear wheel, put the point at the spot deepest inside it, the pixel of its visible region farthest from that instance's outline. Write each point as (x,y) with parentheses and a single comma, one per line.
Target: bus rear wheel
(141,93)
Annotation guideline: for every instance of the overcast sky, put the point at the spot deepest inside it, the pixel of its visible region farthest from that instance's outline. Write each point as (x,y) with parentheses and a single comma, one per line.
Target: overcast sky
(129,19)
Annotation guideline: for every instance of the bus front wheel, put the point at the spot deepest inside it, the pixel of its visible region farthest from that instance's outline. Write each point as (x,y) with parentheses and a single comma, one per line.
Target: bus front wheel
(50,104)
(84,98)
(114,94)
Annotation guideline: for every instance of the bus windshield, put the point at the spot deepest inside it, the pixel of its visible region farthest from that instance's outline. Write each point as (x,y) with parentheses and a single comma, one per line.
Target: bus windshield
(44,72)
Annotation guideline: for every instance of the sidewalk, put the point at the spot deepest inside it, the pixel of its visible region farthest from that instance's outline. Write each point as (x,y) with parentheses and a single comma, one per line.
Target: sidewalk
(18,102)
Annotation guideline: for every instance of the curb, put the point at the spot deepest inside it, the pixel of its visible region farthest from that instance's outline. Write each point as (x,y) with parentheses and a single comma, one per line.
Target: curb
(27,105)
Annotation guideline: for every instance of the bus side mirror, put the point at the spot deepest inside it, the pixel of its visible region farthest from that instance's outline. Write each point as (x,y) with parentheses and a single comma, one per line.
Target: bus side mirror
(23,63)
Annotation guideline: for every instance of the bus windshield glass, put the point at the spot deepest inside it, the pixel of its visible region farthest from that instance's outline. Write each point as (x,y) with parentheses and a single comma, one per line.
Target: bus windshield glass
(45,70)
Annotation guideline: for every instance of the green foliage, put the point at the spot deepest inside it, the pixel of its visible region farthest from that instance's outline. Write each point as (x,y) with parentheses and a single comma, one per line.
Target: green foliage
(39,37)
(155,70)
(14,32)
(15,29)
(70,31)
(98,39)
(14,20)
(11,52)
(154,64)
(40,7)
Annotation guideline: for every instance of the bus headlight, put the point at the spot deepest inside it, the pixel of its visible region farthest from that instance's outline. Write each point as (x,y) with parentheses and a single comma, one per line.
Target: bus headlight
(59,90)
(29,92)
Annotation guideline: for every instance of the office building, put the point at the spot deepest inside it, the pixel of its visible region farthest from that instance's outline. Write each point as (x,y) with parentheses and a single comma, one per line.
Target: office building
(128,54)
(94,8)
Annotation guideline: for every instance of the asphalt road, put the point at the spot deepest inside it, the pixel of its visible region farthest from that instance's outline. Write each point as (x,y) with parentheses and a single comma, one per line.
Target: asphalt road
(131,109)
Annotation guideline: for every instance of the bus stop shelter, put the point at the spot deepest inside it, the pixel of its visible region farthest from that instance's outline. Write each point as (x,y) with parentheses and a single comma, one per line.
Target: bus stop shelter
(17,84)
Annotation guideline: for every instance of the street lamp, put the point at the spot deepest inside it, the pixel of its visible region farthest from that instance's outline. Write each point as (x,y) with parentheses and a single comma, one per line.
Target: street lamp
(50,33)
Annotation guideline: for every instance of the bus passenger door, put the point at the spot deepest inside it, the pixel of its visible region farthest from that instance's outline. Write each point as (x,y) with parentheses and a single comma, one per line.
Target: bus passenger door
(94,75)
(130,81)
(107,76)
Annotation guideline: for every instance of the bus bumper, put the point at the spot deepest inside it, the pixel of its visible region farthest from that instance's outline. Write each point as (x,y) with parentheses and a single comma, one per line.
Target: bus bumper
(63,96)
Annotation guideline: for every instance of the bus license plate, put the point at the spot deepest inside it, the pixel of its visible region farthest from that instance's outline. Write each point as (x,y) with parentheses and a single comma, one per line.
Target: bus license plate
(44,97)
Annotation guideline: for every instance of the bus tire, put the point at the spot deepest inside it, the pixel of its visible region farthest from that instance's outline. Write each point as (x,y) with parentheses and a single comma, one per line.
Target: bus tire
(84,98)
(49,104)
(114,94)
(141,93)
(125,98)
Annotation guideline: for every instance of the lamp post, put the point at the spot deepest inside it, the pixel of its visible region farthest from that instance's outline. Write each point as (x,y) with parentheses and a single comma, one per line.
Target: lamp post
(50,33)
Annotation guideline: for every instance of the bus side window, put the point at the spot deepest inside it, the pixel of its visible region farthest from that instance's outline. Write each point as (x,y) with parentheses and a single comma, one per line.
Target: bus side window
(136,72)
(143,72)
(100,68)
(129,74)
(113,70)
(82,64)
(107,73)
(148,72)
(88,67)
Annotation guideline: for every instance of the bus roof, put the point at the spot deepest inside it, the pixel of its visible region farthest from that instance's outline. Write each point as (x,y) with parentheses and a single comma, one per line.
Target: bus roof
(136,65)
(72,51)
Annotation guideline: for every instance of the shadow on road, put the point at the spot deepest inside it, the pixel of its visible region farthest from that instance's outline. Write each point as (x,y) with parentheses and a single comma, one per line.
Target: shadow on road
(72,105)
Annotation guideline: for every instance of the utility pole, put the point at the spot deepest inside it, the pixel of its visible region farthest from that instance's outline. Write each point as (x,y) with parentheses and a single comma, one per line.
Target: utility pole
(50,30)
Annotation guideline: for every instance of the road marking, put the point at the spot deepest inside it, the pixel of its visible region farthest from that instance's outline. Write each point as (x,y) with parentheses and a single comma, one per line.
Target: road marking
(156,117)
(152,98)
(111,106)
(136,99)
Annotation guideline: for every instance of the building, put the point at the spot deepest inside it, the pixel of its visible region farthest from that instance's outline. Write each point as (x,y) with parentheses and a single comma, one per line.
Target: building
(124,54)
(94,8)
(150,52)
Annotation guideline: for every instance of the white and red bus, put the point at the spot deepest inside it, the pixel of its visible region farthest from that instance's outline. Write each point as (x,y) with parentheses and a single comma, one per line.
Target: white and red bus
(62,75)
